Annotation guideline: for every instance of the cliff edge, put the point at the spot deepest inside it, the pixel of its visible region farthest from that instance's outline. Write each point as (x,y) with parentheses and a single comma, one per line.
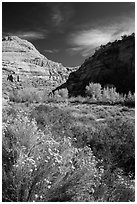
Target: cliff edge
(113,63)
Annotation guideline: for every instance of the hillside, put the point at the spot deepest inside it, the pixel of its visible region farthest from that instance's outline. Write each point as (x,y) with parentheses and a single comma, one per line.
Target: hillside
(20,57)
(113,63)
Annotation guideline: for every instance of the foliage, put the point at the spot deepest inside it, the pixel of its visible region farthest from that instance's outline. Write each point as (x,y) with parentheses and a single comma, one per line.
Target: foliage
(25,95)
(94,91)
(130,100)
(34,95)
(38,168)
(63,93)
(48,156)
(108,96)
(115,144)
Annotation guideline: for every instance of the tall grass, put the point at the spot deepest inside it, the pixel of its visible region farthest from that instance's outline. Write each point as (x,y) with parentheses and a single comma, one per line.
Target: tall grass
(47,157)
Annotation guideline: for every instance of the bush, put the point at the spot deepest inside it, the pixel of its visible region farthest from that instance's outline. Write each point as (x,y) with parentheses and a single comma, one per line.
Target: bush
(46,158)
(94,91)
(32,95)
(60,120)
(63,93)
(115,187)
(115,144)
(25,95)
(38,168)
(108,96)
(78,99)
(130,100)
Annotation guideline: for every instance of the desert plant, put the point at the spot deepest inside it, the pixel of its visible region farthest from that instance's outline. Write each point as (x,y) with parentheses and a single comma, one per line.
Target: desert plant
(25,95)
(36,167)
(115,144)
(63,93)
(108,96)
(94,90)
(130,99)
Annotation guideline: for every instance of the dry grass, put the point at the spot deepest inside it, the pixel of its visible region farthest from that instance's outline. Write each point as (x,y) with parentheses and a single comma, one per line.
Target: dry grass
(66,152)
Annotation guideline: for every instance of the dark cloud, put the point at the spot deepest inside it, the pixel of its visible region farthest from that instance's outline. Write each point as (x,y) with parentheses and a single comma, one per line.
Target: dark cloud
(61,14)
(73,28)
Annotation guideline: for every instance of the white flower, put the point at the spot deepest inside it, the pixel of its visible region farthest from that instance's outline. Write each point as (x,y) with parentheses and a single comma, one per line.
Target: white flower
(36,196)
(73,167)
(46,160)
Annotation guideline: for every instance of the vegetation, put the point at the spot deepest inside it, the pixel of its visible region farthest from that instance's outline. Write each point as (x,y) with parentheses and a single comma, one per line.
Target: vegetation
(57,149)
(50,154)
(36,167)
(94,94)
(61,149)
(109,95)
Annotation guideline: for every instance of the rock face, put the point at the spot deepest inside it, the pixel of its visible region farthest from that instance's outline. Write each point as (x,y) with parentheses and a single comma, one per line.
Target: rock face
(20,57)
(113,63)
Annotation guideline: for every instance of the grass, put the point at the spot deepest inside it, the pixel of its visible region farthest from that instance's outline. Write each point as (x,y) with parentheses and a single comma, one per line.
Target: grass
(67,150)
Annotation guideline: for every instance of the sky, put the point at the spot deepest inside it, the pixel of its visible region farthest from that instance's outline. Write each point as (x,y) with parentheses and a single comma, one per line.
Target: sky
(68,32)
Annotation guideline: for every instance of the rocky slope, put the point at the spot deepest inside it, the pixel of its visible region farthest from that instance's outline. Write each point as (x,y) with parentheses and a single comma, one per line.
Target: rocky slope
(20,57)
(113,64)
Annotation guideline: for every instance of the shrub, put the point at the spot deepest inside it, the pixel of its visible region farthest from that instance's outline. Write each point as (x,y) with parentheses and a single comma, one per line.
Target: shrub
(63,93)
(38,168)
(46,158)
(115,144)
(59,120)
(32,95)
(115,187)
(94,91)
(108,96)
(130,100)
(78,99)
(25,95)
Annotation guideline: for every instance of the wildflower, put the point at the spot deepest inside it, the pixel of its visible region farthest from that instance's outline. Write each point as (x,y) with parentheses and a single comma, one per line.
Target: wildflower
(46,160)
(73,167)
(36,196)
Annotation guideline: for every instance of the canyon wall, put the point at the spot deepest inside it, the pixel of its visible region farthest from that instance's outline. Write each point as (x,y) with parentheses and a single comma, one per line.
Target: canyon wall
(113,63)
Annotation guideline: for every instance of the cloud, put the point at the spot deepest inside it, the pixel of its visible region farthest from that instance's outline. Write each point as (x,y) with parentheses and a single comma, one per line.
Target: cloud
(51,51)
(29,35)
(85,41)
(57,16)
(61,13)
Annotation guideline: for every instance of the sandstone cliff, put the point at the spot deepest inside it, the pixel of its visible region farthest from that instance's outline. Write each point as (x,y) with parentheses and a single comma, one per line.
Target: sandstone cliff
(113,63)
(20,57)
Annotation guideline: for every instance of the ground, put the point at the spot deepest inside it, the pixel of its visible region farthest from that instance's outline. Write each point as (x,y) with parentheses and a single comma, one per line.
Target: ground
(81,151)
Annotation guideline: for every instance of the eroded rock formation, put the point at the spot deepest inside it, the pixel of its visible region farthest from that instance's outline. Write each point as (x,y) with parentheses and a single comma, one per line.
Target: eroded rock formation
(113,63)
(22,58)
